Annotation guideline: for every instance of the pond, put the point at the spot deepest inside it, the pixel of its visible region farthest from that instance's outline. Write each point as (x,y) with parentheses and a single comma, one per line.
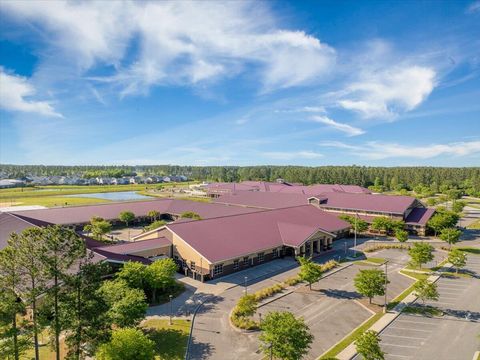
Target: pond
(113,196)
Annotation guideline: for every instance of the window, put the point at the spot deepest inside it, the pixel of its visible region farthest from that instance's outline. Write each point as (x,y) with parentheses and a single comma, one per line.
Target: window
(184,263)
(275,253)
(192,265)
(236,264)
(261,257)
(218,269)
(245,261)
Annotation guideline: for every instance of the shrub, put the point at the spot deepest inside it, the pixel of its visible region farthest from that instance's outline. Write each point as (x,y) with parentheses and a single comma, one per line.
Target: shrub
(294,280)
(269,291)
(372,248)
(329,265)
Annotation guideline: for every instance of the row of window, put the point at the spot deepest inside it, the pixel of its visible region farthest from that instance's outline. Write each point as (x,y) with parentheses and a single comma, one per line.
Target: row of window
(218,269)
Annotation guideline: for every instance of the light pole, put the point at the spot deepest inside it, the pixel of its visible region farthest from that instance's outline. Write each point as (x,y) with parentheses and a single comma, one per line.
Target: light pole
(271,350)
(245,284)
(260,318)
(355,238)
(386,282)
(171,310)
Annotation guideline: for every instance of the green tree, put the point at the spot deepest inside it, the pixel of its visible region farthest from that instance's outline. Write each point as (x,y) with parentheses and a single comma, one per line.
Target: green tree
(10,306)
(401,235)
(370,282)
(153,215)
(155,225)
(127,344)
(127,217)
(450,235)
(381,223)
(30,244)
(285,336)
(134,274)
(309,271)
(98,227)
(457,258)
(368,345)
(127,306)
(61,248)
(425,290)
(421,253)
(458,206)
(191,215)
(361,224)
(161,275)
(442,219)
(246,306)
(85,319)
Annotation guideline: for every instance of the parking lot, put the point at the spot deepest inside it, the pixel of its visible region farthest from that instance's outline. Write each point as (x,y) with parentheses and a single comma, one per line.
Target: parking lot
(450,337)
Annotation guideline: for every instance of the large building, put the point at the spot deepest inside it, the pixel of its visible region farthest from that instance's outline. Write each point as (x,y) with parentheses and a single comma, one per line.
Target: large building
(365,206)
(214,247)
(280,186)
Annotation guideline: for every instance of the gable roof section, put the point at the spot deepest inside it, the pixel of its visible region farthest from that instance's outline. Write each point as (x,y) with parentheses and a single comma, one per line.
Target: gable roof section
(83,214)
(368,202)
(265,200)
(136,246)
(419,216)
(228,237)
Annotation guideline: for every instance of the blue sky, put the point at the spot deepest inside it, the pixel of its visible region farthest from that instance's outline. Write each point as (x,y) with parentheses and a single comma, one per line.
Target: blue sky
(240,83)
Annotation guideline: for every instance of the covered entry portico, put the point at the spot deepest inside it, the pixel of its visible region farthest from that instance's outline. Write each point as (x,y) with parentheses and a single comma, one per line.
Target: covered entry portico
(314,245)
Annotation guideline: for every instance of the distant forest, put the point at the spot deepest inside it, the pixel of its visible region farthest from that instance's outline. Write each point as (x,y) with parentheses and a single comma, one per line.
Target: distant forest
(437,179)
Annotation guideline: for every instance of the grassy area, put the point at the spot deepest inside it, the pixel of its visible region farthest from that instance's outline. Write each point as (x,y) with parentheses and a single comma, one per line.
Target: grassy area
(340,346)
(414,274)
(470,250)
(54,201)
(54,195)
(423,310)
(170,340)
(475,225)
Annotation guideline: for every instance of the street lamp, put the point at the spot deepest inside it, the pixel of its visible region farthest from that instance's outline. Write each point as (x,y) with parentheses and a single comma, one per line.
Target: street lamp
(355,238)
(270,346)
(245,284)
(386,282)
(171,310)
(260,318)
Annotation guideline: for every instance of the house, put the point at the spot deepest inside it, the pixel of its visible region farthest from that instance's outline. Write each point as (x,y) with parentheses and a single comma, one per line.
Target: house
(10,183)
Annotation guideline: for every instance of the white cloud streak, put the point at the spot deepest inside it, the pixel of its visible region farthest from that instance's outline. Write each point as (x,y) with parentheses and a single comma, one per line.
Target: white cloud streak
(15,95)
(381,150)
(180,42)
(387,93)
(345,128)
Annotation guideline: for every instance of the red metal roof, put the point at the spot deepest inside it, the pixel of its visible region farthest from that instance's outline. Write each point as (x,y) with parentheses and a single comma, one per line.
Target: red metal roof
(419,216)
(368,202)
(227,237)
(266,200)
(136,246)
(83,214)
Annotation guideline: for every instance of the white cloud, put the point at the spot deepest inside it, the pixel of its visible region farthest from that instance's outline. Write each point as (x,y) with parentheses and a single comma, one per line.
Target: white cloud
(474,8)
(179,42)
(15,94)
(345,128)
(385,94)
(286,155)
(379,150)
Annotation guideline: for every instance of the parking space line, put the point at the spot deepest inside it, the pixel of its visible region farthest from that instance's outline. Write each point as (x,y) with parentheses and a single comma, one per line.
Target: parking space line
(406,337)
(406,346)
(409,329)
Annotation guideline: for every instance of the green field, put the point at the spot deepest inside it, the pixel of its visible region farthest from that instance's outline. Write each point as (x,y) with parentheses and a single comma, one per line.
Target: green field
(52,196)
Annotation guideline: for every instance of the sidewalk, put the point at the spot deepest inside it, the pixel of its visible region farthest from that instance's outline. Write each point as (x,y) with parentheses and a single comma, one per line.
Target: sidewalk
(350,351)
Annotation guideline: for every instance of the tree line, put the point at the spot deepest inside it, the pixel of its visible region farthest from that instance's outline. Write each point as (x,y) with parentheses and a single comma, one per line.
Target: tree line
(384,178)
(50,284)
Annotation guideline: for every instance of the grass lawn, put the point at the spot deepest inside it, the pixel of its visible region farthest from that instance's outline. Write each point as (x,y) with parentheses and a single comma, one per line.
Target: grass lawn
(475,225)
(423,310)
(352,337)
(170,340)
(470,250)
(415,275)
(54,195)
